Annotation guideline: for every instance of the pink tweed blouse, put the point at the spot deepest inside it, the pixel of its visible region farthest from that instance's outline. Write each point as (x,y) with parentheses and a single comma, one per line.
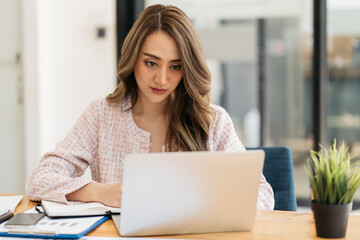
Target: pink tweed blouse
(101,138)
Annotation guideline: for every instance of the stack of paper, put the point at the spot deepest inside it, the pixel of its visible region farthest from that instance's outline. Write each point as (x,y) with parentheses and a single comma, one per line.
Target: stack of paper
(10,202)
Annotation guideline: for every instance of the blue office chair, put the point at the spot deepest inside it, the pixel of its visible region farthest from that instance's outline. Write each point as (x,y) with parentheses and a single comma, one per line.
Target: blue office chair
(278,171)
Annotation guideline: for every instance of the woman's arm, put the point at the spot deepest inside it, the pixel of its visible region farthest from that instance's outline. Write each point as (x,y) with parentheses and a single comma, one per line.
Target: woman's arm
(58,176)
(106,194)
(265,195)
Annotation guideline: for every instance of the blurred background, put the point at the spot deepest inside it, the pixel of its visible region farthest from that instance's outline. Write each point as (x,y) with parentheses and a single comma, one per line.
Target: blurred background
(56,56)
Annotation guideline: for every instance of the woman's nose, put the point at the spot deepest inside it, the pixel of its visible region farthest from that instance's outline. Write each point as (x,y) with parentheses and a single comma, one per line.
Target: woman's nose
(161,77)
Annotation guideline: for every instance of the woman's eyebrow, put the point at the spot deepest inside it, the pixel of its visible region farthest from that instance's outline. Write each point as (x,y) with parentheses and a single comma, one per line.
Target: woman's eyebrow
(158,58)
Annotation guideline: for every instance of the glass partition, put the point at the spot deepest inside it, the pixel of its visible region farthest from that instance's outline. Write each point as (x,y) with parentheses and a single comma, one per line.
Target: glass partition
(343,121)
(259,54)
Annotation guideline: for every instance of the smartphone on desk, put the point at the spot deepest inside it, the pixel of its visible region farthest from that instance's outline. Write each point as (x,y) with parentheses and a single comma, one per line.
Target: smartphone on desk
(24,220)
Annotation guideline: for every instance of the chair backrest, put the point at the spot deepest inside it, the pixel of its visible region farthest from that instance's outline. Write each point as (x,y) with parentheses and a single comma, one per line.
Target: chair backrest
(278,171)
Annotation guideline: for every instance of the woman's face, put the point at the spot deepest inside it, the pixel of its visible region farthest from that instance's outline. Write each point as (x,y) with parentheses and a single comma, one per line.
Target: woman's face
(158,68)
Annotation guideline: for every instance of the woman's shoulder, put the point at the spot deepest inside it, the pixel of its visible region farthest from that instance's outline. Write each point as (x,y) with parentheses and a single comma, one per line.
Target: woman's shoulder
(221,119)
(220,112)
(222,134)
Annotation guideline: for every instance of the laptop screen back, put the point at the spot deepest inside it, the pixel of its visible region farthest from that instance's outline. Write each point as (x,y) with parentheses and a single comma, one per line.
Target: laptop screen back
(189,192)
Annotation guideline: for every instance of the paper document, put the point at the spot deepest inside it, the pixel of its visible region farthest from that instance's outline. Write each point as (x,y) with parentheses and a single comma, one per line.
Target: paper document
(58,226)
(3,211)
(10,202)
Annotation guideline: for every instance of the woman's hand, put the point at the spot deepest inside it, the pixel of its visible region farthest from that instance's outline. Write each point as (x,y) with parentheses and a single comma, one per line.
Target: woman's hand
(111,195)
(107,194)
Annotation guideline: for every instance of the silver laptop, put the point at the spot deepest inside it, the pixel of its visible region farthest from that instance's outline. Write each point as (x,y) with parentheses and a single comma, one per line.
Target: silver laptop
(189,192)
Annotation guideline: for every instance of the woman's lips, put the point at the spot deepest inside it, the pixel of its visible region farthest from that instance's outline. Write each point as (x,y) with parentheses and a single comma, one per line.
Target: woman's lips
(158,91)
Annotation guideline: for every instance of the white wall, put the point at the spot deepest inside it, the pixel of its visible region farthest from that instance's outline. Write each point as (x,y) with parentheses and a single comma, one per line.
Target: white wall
(31,84)
(11,104)
(66,66)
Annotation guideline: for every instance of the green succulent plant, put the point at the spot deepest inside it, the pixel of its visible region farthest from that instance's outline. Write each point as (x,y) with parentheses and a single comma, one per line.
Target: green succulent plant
(333,178)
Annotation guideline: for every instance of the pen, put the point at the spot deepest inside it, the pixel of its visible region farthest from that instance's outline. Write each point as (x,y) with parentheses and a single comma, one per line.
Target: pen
(32,231)
(6,216)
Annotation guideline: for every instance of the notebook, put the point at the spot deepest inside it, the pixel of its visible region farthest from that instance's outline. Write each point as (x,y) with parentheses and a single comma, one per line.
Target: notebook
(56,210)
(189,192)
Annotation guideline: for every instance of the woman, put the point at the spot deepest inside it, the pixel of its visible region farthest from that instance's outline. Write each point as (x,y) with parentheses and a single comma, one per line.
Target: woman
(162,103)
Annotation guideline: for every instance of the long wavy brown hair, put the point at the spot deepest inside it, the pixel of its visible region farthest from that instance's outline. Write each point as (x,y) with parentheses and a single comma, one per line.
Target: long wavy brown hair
(189,110)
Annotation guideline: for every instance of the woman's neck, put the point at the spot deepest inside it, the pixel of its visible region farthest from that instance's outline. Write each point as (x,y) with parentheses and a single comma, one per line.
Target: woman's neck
(153,119)
(148,109)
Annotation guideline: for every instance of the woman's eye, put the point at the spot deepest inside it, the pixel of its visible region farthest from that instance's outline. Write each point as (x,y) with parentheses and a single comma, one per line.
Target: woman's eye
(151,63)
(176,67)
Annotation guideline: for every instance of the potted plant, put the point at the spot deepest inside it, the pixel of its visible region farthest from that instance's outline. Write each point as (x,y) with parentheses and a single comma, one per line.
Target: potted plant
(334,180)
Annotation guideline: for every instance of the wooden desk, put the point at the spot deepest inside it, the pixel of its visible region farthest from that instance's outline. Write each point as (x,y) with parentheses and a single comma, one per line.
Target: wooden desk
(269,225)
